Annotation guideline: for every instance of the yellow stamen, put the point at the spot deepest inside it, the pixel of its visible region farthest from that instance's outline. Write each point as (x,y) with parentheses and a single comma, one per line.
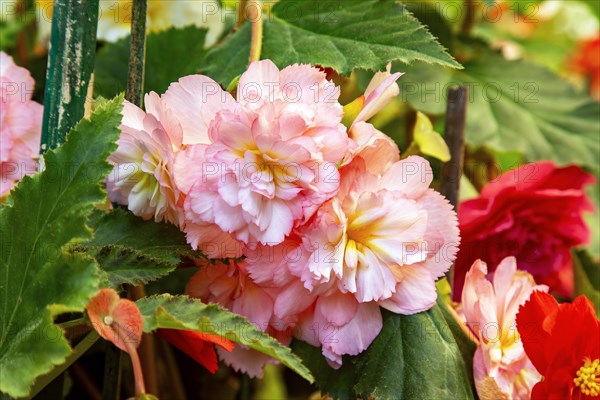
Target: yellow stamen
(588,377)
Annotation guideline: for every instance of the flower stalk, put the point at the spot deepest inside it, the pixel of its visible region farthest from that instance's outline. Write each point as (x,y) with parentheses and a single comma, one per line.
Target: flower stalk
(256,22)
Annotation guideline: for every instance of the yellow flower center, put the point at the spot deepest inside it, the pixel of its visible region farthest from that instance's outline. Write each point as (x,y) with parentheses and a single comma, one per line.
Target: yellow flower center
(588,377)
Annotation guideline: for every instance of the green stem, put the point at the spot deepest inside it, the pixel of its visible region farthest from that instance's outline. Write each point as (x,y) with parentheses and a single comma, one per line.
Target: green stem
(73,323)
(78,351)
(241,15)
(256,22)
(70,66)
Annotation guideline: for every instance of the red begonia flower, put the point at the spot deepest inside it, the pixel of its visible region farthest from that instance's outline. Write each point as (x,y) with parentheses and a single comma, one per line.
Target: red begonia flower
(563,342)
(534,213)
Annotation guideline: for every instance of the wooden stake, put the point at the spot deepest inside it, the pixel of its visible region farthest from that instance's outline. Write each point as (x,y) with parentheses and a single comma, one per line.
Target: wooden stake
(456,114)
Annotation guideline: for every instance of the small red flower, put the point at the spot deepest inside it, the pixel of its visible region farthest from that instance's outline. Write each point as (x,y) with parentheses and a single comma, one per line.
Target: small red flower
(534,213)
(563,342)
(198,345)
(586,62)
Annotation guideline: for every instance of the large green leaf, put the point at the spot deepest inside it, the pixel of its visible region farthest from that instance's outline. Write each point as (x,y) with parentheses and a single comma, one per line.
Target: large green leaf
(513,105)
(414,357)
(124,265)
(182,312)
(348,35)
(39,278)
(120,227)
(170,54)
(131,250)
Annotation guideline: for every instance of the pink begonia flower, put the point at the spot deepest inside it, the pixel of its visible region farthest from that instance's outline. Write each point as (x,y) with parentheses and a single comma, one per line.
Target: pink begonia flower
(501,368)
(20,124)
(142,176)
(384,239)
(381,241)
(262,164)
(143,179)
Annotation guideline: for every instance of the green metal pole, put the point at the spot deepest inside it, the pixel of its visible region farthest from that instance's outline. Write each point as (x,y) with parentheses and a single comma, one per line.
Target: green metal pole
(70,66)
(137,53)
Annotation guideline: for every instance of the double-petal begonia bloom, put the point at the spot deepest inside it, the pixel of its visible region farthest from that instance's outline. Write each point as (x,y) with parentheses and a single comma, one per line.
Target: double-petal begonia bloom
(143,175)
(384,239)
(143,163)
(563,342)
(501,368)
(381,241)
(533,213)
(263,163)
(20,124)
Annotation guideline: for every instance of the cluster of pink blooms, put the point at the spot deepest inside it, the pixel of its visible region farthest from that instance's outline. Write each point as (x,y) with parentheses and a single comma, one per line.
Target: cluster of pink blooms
(314,224)
(21,123)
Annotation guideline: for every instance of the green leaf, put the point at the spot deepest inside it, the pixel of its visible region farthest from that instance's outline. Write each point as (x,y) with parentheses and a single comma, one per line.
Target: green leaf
(514,105)
(131,250)
(594,7)
(414,357)
(182,312)
(348,35)
(593,192)
(123,265)
(170,54)
(587,277)
(39,278)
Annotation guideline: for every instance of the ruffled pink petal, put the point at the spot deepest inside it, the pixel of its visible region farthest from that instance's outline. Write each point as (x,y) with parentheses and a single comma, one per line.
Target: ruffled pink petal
(212,241)
(378,150)
(411,176)
(338,308)
(244,359)
(195,100)
(292,300)
(442,235)
(415,292)
(355,336)
(259,84)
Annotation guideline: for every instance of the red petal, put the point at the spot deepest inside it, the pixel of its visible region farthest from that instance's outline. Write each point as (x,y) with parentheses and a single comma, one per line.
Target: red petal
(197,345)
(530,321)
(219,340)
(576,330)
